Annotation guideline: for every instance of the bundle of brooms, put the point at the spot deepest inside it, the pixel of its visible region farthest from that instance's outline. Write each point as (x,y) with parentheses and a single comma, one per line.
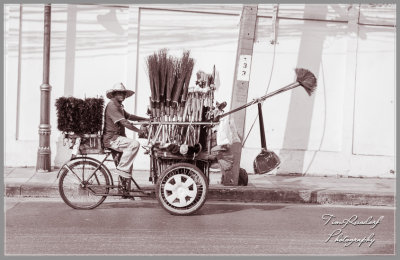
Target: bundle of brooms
(169,79)
(81,118)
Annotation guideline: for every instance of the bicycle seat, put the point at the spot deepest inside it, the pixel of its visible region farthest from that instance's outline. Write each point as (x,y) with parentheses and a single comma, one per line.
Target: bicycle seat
(108,150)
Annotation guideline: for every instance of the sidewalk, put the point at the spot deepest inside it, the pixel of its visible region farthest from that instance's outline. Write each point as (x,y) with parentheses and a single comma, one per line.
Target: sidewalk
(261,188)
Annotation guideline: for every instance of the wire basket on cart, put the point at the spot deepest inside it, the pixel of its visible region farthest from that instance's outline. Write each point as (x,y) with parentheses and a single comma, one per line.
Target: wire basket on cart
(85,143)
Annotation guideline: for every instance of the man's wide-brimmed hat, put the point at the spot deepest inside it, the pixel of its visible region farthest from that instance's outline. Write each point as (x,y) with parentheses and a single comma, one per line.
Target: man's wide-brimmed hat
(119,87)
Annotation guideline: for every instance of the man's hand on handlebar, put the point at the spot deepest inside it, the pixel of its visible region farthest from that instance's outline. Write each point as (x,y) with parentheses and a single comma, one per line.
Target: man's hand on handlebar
(149,120)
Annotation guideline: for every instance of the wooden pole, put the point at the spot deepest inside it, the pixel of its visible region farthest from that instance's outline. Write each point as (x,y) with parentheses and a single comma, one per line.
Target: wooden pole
(44,154)
(241,85)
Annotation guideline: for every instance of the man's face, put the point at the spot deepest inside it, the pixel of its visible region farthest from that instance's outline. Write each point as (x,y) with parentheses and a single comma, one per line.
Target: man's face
(119,96)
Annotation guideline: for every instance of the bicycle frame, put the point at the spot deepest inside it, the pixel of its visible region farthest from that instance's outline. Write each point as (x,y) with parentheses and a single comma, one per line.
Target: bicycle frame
(104,167)
(85,157)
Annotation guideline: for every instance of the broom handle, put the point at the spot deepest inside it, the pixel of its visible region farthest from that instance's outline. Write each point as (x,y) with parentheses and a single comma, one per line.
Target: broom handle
(288,87)
(262,131)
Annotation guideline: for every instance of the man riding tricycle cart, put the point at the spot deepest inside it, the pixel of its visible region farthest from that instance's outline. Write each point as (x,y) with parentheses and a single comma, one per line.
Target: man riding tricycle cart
(179,138)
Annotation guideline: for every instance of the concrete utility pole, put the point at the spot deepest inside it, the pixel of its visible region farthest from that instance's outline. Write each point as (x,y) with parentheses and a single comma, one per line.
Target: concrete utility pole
(241,85)
(44,154)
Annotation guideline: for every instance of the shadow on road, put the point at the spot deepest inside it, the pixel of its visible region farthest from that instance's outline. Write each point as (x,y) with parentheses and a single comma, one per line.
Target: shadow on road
(211,209)
(128,204)
(207,209)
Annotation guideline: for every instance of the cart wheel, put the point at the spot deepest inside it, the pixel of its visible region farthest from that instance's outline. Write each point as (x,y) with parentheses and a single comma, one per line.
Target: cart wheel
(181,189)
(77,190)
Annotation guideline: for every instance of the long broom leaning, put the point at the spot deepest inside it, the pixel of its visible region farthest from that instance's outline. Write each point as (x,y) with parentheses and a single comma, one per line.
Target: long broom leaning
(304,78)
(171,63)
(150,70)
(176,89)
(152,73)
(157,85)
(188,72)
(162,64)
(267,160)
(181,80)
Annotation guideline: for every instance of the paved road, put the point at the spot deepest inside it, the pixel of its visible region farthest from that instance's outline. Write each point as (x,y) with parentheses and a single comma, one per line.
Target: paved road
(47,226)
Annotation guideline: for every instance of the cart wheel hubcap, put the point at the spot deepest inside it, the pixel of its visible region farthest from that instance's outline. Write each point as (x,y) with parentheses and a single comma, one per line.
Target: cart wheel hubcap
(180,190)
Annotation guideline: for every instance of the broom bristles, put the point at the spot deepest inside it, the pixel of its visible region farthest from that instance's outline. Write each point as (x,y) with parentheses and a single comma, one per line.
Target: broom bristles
(189,70)
(162,59)
(170,78)
(306,79)
(156,78)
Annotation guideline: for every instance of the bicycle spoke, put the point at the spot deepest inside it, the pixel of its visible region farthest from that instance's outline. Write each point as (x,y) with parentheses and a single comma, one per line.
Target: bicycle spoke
(83,172)
(97,179)
(69,169)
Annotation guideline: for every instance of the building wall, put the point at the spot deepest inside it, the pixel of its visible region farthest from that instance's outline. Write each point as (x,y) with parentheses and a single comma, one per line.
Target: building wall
(88,54)
(346,128)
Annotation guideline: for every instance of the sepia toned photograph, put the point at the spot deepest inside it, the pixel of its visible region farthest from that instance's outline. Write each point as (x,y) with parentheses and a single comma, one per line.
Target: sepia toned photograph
(228,129)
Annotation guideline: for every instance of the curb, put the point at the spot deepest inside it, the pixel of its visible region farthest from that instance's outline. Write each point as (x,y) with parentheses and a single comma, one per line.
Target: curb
(245,194)
(240,194)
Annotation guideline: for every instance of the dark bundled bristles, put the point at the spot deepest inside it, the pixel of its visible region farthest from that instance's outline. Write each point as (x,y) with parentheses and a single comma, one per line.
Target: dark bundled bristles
(162,62)
(156,77)
(170,78)
(189,70)
(92,116)
(151,62)
(79,116)
(306,79)
(178,74)
(63,119)
(182,69)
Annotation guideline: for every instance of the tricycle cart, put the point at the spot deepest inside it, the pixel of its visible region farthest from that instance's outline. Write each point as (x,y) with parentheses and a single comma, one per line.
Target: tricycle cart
(180,171)
(181,181)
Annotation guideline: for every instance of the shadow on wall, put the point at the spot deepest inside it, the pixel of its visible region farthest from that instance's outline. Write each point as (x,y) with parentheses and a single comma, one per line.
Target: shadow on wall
(110,22)
(300,114)
(298,127)
(105,29)
(336,27)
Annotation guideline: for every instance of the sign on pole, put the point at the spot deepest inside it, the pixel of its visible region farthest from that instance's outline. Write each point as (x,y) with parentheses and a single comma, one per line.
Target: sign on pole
(244,68)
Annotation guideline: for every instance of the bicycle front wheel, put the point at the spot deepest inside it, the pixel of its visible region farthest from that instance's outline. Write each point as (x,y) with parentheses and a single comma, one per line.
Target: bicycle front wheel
(83,184)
